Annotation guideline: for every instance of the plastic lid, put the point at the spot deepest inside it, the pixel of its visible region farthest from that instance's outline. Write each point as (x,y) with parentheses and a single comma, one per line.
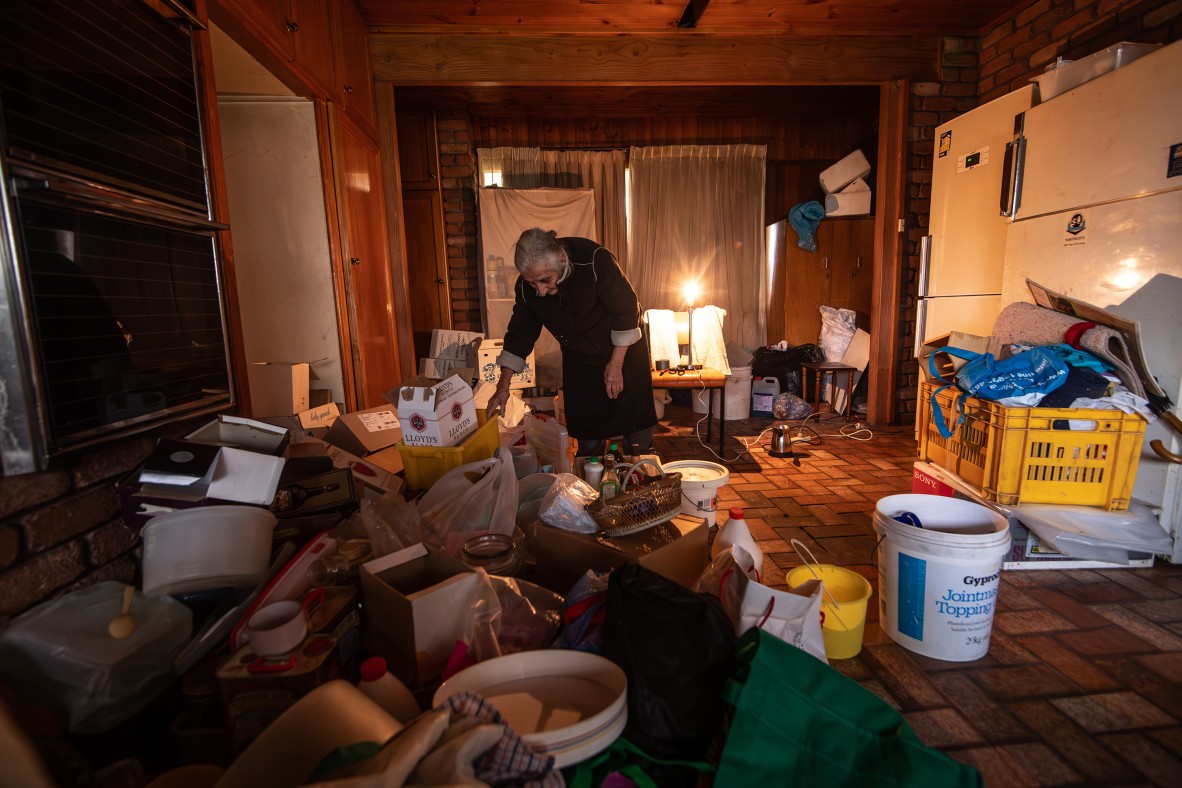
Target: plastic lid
(736,513)
(373,668)
(595,460)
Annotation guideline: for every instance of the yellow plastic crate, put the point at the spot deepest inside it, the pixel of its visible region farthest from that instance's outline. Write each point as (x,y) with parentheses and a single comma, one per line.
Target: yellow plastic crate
(1016,455)
(423,465)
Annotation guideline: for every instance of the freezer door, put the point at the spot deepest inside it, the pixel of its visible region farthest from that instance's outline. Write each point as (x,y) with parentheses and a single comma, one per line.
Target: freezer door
(971,314)
(968,170)
(1116,137)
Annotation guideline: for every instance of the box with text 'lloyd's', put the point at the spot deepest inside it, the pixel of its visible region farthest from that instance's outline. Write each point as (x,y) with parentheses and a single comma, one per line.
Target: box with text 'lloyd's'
(436,414)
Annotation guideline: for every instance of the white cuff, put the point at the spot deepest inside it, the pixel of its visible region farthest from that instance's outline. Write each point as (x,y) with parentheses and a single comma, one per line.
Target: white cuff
(507,359)
(626,338)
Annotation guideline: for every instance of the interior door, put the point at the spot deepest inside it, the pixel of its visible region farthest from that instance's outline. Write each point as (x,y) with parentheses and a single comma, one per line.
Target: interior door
(851,251)
(426,264)
(367,271)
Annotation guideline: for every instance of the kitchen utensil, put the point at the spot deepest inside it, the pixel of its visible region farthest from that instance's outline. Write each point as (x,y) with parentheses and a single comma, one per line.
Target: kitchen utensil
(125,623)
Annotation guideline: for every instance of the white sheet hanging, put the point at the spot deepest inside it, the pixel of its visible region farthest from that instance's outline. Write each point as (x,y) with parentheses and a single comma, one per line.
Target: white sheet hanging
(709,345)
(662,336)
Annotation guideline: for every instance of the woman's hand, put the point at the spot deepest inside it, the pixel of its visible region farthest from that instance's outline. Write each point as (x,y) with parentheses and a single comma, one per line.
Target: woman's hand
(613,373)
(501,395)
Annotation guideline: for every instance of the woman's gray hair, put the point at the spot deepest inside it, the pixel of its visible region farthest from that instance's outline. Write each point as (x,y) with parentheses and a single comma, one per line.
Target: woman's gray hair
(539,251)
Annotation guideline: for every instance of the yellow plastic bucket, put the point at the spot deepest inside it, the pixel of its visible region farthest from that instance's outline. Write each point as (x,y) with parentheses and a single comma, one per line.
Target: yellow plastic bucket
(841,625)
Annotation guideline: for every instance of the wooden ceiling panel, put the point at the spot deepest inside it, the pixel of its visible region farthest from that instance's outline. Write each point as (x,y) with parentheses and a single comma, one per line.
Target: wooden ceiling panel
(763,17)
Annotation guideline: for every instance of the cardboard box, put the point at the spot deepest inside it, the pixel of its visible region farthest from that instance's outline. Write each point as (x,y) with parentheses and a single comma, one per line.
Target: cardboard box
(446,343)
(278,388)
(415,603)
(436,414)
(322,416)
(440,368)
(676,549)
(240,433)
(853,200)
(365,472)
(484,360)
(947,365)
(365,431)
(837,176)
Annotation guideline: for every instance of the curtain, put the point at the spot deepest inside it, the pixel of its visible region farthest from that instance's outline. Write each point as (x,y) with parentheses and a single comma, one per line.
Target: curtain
(601,171)
(697,216)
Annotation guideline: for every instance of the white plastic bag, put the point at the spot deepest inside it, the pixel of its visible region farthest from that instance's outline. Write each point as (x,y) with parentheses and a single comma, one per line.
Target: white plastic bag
(565,505)
(476,498)
(793,618)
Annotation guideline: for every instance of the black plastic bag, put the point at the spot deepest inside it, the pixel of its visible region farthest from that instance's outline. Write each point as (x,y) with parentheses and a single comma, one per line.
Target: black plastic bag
(676,647)
(784,365)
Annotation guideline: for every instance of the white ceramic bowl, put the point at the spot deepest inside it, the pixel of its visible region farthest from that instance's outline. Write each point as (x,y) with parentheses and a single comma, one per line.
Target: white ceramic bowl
(565,703)
(206,547)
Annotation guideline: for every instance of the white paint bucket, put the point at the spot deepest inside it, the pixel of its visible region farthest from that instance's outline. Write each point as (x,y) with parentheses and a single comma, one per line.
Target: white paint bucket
(661,398)
(738,396)
(938,585)
(700,480)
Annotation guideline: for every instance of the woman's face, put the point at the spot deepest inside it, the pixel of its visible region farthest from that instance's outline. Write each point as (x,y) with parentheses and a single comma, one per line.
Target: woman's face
(543,281)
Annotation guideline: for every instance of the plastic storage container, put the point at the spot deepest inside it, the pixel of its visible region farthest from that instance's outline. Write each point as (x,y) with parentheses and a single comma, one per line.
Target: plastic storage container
(206,547)
(423,465)
(1063,75)
(1027,455)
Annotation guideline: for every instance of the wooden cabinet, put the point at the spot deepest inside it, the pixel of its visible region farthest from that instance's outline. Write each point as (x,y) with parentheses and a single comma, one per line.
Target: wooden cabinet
(838,274)
(298,34)
(418,155)
(354,86)
(426,265)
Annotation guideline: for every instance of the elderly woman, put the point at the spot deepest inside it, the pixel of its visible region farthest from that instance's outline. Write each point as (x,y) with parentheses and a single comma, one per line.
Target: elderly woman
(574,288)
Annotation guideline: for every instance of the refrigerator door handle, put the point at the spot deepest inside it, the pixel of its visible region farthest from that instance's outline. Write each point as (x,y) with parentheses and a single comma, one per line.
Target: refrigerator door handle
(1012,170)
(925,265)
(921,319)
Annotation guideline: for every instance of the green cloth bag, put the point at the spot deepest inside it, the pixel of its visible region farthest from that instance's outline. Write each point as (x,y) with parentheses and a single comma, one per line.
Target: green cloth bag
(796,721)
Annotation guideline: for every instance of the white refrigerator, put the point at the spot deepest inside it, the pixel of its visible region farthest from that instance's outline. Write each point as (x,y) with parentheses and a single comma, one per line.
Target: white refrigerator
(960,274)
(1098,217)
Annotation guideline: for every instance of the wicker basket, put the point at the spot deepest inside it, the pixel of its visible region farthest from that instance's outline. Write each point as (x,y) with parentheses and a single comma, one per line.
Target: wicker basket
(639,508)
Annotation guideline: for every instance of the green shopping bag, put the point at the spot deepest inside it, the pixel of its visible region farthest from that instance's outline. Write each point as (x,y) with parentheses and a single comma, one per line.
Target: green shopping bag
(796,721)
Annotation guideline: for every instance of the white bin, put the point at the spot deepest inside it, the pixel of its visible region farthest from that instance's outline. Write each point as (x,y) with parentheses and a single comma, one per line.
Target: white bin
(738,396)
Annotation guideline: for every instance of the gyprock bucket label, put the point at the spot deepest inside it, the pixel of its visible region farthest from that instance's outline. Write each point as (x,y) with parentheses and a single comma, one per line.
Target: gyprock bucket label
(945,604)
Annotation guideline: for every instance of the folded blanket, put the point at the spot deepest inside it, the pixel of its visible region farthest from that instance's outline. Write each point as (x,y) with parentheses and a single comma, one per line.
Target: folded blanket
(1029,324)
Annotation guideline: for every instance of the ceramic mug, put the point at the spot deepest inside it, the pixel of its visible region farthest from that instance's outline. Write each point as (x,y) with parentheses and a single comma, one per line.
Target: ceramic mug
(280,627)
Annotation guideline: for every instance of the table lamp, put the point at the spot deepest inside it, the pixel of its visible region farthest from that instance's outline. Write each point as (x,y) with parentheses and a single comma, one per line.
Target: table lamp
(691,292)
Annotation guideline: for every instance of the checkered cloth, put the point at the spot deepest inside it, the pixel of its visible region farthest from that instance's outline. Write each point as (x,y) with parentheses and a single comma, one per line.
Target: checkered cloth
(509,762)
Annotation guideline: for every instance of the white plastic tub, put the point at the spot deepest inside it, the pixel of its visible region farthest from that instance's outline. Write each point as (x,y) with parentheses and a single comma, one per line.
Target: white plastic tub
(206,547)
(1063,75)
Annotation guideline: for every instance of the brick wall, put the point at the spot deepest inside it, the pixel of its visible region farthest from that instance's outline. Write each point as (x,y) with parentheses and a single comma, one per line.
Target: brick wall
(457,167)
(974,71)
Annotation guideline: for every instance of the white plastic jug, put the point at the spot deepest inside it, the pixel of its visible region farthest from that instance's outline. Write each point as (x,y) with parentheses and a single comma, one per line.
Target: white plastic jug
(763,394)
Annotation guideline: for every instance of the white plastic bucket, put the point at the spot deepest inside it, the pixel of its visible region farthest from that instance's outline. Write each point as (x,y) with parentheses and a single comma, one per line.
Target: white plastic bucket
(700,480)
(938,585)
(661,398)
(738,396)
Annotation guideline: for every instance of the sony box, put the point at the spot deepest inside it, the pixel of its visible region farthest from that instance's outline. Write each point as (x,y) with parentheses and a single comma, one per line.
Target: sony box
(436,414)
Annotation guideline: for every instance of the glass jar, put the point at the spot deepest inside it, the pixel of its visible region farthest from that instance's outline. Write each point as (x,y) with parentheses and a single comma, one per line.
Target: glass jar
(495,553)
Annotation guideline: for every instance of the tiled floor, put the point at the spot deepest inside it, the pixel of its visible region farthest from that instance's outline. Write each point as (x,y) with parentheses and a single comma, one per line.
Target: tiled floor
(1083,681)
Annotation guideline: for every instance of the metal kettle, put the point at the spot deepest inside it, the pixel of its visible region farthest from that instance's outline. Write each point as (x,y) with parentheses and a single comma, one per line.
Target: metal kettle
(781,439)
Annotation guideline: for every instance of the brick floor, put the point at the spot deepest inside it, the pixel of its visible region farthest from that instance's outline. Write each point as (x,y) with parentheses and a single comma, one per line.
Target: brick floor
(1083,681)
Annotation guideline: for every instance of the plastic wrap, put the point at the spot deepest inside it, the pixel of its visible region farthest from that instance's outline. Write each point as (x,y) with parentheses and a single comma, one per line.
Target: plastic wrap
(565,505)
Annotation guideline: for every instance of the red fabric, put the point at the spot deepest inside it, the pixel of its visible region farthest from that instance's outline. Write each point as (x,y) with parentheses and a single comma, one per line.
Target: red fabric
(1072,335)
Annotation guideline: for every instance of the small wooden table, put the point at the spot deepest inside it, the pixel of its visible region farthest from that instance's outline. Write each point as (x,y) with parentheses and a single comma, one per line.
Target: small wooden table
(706,379)
(823,370)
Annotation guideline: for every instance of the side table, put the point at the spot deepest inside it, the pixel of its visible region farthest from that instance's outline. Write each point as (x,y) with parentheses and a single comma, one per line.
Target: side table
(828,370)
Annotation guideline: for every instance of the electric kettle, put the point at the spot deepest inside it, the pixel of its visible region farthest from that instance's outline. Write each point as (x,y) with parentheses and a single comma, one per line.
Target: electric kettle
(781,439)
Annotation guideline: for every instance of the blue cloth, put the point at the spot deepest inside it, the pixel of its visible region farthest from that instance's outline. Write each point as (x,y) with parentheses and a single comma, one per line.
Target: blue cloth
(1079,358)
(804,218)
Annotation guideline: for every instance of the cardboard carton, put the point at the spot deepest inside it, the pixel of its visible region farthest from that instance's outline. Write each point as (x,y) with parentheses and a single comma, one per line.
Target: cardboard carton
(484,360)
(837,176)
(415,603)
(436,414)
(947,365)
(278,388)
(440,368)
(676,549)
(365,471)
(365,431)
(853,200)
(241,433)
(446,343)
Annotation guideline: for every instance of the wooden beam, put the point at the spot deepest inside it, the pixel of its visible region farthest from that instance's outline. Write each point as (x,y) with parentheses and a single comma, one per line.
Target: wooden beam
(888,258)
(396,229)
(674,59)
